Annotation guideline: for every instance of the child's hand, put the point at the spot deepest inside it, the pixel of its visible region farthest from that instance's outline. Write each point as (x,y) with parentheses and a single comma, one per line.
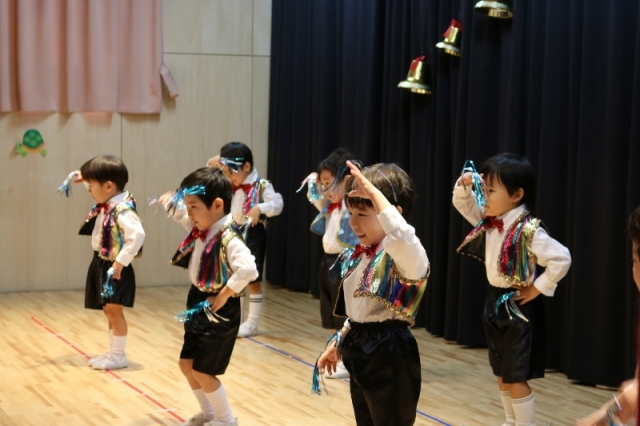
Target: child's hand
(254,215)
(218,300)
(78,178)
(467,179)
(329,360)
(117,266)
(527,294)
(365,188)
(214,162)
(166,197)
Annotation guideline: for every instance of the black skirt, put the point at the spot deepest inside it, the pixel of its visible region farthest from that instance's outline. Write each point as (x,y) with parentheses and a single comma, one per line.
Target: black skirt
(516,346)
(124,289)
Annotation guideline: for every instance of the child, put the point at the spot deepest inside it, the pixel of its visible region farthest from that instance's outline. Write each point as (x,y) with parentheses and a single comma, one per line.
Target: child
(116,237)
(511,243)
(220,265)
(254,200)
(333,224)
(623,406)
(380,293)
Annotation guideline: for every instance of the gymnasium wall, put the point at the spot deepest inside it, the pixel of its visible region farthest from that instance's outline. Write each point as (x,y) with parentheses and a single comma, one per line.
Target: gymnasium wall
(219,53)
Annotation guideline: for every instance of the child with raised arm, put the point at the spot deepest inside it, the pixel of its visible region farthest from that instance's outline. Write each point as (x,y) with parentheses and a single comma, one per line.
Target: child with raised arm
(220,266)
(327,195)
(385,278)
(116,238)
(254,201)
(522,262)
(624,406)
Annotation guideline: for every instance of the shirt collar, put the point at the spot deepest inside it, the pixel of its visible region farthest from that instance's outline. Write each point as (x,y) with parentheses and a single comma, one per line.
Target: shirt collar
(113,201)
(213,230)
(509,217)
(253,176)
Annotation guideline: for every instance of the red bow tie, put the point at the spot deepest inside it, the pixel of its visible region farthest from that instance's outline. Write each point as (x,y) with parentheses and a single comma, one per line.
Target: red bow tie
(102,206)
(492,222)
(200,234)
(369,251)
(246,187)
(332,206)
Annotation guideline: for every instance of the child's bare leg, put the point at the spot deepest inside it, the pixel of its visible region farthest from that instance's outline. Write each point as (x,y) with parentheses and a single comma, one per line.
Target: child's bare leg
(217,396)
(118,325)
(250,326)
(505,396)
(186,366)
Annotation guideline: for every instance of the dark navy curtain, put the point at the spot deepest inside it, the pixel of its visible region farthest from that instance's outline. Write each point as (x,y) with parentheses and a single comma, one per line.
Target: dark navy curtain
(558,83)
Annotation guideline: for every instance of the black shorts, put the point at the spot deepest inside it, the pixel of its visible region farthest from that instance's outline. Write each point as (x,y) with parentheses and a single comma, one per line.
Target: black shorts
(516,346)
(124,289)
(328,286)
(384,363)
(257,243)
(210,344)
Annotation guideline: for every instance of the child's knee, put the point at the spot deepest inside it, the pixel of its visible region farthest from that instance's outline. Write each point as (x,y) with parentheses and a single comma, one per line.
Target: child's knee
(186,366)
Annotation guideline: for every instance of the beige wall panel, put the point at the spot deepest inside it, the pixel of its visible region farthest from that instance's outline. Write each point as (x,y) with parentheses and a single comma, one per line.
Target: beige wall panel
(208,26)
(260,116)
(262,27)
(214,107)
(40,248)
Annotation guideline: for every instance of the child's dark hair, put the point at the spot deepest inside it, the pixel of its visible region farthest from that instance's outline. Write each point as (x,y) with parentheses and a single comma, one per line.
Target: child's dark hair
(514,172)
(394,183)
(237,150)
(333,162)
(106,168)
(634,228)
(215,183)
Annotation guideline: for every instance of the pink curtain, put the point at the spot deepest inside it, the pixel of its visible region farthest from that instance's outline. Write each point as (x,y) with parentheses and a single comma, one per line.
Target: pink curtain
(82,55)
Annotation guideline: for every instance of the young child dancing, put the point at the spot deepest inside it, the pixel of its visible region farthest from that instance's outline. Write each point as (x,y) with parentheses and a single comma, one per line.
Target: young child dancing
(116,238)
(522,262)
(327,195)
(624,406)
(385,278)
(220,265)
(254,200)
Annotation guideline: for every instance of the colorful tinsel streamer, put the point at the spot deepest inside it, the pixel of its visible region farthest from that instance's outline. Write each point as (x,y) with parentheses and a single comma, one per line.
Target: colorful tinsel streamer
(107,285)
(477,184)
(315,380)
(313,193)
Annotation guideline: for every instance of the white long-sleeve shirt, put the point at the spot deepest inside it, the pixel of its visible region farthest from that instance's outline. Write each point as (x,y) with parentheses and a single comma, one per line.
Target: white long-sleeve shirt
(409,256)
(272,201)
(550,254)
(129,224)
(240,259)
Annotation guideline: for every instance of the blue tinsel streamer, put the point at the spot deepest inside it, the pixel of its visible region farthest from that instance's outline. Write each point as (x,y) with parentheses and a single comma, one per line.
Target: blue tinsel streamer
(186,315)
(107,285)
(312,181)
(177,202)
(65,187)
(315,380)
(476,186)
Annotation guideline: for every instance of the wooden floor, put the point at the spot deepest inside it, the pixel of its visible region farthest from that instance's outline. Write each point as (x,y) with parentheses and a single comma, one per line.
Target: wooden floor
(45,379)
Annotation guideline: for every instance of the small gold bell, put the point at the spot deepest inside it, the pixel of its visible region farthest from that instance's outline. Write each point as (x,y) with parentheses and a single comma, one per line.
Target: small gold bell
(451,42)
(495,8)
(418,78)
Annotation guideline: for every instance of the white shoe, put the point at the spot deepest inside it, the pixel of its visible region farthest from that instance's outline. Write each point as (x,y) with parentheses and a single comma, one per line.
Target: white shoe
(341,372)
(95,358)
(110,362)
(217,423)
(248,329)
(196,420)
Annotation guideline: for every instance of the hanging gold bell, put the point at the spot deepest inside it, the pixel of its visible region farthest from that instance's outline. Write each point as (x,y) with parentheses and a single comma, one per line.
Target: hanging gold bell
(495,8)
(451,42)
(418,78)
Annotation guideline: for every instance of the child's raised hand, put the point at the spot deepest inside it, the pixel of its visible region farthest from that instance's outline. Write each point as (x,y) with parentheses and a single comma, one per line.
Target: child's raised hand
(78,177)
(166,197)
(467,179)
(214,162)
(365,187)
(328,361)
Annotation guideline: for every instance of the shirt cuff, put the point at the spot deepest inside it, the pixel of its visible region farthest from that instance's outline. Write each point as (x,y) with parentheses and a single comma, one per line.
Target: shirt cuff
(391,219)
(124,258)
(545,285)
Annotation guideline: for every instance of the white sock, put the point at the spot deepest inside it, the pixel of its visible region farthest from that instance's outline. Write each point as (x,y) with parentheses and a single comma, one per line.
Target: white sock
(255,306)
(118,345)
(524,408)
(205,405)
(110,339)
(508,408)
(221,408)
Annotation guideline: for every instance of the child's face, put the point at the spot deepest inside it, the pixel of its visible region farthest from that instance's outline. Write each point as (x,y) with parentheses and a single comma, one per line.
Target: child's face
(636,264)
(101,192)
(237,178)
(365,224)
(201,216)
(336,194)
(498,199)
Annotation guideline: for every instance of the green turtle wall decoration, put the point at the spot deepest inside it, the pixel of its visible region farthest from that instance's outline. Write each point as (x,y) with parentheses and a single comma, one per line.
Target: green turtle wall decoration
(32,142)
